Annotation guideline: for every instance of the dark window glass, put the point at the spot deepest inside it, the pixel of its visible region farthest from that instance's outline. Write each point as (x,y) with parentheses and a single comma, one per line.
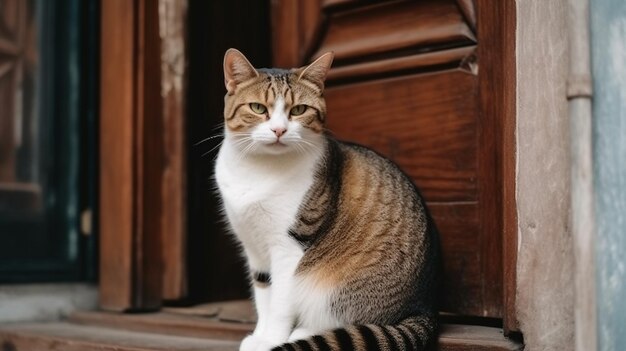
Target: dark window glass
(47,151)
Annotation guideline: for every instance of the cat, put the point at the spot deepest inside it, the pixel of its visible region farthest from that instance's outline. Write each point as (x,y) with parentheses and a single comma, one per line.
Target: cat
(341,250)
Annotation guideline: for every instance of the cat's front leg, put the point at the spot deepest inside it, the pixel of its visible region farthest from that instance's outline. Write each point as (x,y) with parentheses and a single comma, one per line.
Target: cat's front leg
(281,316)
(259,267)
(275,318)
(262,294)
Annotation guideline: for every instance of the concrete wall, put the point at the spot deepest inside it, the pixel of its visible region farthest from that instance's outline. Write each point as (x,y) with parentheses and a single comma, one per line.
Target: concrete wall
(44,302)
(608,30)
(545,286)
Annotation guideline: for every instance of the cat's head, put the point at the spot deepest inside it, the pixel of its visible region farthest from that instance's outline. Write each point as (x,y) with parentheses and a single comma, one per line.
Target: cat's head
(274,111)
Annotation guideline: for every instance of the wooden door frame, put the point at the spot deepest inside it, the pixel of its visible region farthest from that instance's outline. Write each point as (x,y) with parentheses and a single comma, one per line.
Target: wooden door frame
(130,275)
(142,180)
(496,25)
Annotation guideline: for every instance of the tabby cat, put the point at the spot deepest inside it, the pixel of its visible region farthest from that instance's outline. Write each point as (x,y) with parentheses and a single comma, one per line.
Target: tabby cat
(341,250)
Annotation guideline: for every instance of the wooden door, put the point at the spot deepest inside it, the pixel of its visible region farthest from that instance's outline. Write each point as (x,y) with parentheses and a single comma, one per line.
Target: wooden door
(424,83)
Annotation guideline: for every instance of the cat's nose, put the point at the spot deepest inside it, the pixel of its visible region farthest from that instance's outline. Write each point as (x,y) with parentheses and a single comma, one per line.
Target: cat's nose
(279,131)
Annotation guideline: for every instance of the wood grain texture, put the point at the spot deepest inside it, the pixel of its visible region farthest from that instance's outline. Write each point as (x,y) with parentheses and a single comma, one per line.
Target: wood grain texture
(394,26)
(73,337)
(300,23)
(462,263)
(429,134)
(331,3)
(496,30)
(166,323)
(172,18)
(451,336)
(116,154)
(287,49)
(469,12)
(416,62)
(455,337)
(310,20)
(131,156)
(148,279)
(104,335)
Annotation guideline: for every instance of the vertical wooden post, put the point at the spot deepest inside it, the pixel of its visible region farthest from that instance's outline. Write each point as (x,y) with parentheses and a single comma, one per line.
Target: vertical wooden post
(496,52)
(131,156)
(172,19)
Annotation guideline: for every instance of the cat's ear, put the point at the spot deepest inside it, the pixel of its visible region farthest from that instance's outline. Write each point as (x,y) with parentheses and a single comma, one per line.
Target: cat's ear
(237,69)
(316,72)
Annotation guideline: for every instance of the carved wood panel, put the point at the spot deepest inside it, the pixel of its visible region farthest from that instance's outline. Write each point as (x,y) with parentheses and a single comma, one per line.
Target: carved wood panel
(393,28)
(406,82)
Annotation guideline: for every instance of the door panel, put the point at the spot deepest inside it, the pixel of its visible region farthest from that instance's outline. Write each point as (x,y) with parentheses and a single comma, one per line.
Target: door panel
(432,136)
(406,82)
(391,26)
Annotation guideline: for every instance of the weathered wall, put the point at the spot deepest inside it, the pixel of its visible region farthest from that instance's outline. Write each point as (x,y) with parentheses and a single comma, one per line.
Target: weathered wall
(608,30)
(545,286)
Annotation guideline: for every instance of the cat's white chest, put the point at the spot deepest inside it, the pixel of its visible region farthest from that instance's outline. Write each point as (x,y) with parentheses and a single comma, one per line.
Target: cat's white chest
(262,200)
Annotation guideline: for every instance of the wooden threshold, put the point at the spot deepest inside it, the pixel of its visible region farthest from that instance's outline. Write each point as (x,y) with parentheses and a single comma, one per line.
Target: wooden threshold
(218,326)
(71,337)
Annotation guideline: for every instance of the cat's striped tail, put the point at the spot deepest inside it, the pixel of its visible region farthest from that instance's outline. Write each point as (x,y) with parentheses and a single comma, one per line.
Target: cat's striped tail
(413,333)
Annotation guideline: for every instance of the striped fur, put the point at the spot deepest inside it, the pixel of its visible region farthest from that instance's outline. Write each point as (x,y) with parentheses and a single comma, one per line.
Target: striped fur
(342,251)
(412,333)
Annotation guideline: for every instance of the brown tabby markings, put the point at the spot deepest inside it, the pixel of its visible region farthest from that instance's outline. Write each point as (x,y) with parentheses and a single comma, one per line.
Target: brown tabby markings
(370,247)
(266,88)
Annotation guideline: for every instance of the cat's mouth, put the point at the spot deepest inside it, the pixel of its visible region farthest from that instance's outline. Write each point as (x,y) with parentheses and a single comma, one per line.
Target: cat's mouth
(277,143)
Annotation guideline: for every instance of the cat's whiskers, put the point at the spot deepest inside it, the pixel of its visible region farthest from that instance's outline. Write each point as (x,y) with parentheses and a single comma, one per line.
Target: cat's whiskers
(219,126)
(300,149)
(309,147)
(239,138)
(213,148)
(243,153)
(209,138)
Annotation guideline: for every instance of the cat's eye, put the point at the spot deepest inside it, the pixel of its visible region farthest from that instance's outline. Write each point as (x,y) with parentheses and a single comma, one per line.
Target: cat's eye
(258,108)
(297,110)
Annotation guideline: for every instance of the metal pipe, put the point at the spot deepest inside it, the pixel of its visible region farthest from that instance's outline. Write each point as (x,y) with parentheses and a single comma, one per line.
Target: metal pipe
(579,94)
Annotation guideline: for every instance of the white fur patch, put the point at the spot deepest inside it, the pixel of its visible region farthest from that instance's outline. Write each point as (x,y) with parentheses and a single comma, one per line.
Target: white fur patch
(313,306)
(279,117)
(262,191)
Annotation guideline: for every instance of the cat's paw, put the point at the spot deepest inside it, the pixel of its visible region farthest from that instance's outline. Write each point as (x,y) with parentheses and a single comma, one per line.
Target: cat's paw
(255,343)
